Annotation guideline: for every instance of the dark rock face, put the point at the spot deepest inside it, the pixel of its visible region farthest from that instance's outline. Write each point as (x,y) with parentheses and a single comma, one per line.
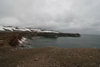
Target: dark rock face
(12,40)
(55,35)
(69,34)
(49,35)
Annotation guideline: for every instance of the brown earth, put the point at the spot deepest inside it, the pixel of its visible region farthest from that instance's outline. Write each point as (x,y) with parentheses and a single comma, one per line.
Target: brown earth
(49,57)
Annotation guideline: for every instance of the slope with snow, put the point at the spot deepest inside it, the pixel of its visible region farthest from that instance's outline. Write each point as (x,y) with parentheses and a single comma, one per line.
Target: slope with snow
(11,28)
(1,28)
(49,32)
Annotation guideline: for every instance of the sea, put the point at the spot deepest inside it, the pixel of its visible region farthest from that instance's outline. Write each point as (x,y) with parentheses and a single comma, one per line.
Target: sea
(85,41)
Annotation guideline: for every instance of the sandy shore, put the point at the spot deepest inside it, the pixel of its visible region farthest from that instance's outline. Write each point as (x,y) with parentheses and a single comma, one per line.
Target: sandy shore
(49,57)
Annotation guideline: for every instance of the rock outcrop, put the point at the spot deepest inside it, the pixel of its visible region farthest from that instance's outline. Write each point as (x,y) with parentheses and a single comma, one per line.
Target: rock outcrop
(12,40)
(55,35)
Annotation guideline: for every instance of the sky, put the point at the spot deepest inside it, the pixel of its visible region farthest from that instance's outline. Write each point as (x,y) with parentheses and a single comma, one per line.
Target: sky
(82,16)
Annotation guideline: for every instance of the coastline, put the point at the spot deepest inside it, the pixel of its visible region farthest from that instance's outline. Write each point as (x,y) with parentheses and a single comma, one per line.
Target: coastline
(12,56)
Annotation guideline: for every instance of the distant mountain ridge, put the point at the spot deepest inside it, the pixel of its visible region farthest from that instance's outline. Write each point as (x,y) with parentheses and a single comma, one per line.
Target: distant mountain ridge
(29,29)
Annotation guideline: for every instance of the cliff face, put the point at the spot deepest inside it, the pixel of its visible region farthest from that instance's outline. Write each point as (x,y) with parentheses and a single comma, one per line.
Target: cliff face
(59,34)
(12,40)
(69,34)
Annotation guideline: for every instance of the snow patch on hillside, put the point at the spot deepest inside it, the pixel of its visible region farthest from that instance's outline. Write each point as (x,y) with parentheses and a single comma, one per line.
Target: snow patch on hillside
(1,28)
(11,28)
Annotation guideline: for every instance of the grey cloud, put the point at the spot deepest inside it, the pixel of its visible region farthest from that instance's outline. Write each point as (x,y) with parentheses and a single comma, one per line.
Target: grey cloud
(62,15)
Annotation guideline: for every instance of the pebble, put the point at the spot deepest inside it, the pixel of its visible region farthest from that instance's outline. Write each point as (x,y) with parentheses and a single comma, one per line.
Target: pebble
(36,59)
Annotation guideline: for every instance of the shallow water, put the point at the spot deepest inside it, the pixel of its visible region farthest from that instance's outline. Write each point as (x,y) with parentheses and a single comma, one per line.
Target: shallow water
(85,41)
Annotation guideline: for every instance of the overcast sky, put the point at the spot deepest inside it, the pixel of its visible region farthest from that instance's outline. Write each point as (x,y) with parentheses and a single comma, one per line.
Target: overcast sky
(81,16)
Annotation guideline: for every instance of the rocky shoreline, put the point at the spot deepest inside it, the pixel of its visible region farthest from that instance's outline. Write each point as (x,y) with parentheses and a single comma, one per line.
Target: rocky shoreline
(55,35)
(11,56)
(14,38)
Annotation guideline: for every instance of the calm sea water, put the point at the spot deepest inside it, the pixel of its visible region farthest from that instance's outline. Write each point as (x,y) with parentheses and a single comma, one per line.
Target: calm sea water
(85,41)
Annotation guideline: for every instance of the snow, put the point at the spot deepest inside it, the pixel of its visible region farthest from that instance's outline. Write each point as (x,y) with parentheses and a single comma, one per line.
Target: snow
(49,32)
(28,30)
(22,29)
(11,28)
(22,40)
(8,28)
(37,30)
(1,28)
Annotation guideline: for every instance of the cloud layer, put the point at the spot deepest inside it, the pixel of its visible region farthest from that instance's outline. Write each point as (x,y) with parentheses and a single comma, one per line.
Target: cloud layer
(63,15)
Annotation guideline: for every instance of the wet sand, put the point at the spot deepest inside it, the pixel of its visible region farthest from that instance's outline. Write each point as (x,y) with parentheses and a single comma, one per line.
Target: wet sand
(49,57)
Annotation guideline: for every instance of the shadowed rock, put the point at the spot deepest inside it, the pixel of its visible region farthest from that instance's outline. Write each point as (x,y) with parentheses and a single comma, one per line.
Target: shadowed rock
(12,40)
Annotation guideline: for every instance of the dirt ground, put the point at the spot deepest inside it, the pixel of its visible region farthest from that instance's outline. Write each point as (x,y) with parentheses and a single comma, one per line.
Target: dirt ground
(49,57)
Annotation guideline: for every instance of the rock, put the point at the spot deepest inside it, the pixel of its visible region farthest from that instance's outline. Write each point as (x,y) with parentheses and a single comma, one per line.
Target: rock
(12,40)
(36,59)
